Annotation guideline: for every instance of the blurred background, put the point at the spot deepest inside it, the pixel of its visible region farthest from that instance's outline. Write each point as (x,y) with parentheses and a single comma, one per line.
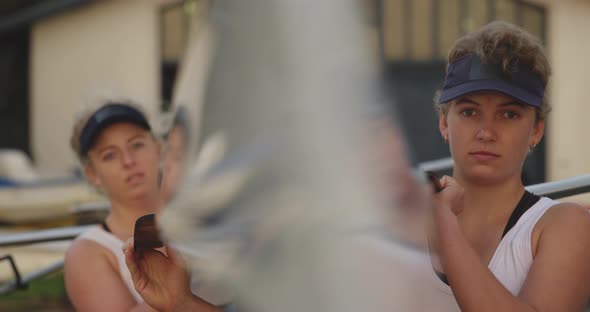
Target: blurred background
(57,56)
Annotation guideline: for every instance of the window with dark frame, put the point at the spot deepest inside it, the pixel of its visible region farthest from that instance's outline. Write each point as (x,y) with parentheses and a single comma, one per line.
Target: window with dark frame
(175,25)
(424,30)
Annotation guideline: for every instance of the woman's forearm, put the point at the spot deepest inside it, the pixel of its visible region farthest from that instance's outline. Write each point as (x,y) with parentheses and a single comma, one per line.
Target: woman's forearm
(474,286)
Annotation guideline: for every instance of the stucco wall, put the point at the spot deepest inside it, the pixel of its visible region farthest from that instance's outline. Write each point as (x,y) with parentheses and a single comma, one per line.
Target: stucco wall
(105,49)
(569,47)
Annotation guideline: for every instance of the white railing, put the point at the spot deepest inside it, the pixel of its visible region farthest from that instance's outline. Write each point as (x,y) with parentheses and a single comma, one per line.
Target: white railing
(556,189)
(34,237)
(437,165)
(562,188)
(22,282)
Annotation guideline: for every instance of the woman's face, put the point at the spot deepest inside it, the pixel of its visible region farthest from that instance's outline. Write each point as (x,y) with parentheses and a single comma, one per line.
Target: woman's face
(173,163)
(124,162)
(489,134)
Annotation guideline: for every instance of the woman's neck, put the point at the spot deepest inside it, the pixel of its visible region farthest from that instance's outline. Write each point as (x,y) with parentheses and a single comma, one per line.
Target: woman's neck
(122,217)
(493,200)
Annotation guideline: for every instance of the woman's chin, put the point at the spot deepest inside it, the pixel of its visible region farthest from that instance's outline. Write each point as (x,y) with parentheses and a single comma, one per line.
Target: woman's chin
(139,193)
(484,176)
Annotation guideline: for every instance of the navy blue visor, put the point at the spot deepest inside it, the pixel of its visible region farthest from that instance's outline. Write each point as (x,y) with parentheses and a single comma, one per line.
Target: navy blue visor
(106,116)
(468,74)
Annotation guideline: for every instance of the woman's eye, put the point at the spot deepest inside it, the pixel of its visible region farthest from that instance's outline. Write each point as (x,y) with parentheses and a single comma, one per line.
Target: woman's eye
(511,115)
(468,112)
(108,156)
(137,145)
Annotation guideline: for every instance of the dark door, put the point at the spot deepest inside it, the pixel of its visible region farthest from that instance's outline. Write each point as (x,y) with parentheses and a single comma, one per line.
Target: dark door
(14,90)
(412,85)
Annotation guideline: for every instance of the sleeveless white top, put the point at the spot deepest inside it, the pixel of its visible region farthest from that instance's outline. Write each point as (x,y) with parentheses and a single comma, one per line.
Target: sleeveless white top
(209,291)
(512,259)
(115,246)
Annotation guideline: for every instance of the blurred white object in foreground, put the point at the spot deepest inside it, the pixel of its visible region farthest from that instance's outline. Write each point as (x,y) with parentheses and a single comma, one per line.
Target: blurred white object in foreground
(286,214)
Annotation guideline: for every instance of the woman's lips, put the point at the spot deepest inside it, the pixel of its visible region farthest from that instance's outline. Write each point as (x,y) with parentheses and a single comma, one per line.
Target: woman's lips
(484,156)
(135,178)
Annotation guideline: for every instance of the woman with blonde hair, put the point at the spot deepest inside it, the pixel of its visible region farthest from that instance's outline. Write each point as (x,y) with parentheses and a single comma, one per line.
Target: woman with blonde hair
(120,156)
(500,247)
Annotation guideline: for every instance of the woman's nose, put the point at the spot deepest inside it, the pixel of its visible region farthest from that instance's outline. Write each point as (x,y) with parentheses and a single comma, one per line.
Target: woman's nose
(486,131)
(128,159)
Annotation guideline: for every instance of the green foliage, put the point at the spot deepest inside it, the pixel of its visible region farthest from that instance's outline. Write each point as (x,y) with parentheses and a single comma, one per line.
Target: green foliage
(45,293)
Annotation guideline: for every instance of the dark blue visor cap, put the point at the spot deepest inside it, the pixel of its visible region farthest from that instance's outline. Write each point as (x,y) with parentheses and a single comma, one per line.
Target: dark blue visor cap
(107,116)
(468,74)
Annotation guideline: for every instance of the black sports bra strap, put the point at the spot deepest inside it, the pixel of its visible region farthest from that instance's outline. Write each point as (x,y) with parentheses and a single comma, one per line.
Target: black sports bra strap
(527,200)
(105,226)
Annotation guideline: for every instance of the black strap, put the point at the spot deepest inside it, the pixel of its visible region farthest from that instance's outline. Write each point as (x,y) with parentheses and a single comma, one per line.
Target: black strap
(527,200)
(105,227)
(442,277)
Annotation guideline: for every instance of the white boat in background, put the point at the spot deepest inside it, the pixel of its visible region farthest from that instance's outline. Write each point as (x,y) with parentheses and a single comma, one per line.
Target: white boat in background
(26,204)
(25,197)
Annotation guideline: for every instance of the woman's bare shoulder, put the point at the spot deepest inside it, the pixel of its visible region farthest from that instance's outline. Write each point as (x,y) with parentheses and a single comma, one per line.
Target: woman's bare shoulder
(81,248)
(88,265)
(87,252)
(566,220)
(566,214)
(560,258)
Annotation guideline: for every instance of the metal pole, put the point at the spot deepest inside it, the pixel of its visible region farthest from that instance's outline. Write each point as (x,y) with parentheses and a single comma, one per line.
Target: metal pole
(92,207)
(555,189)
(10,286)
(562,188)
(42,236)
(437,165)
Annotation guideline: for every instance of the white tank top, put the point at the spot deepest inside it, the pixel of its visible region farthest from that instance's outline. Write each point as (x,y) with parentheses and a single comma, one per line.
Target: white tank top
(115,245)
(210,291)
(512,259)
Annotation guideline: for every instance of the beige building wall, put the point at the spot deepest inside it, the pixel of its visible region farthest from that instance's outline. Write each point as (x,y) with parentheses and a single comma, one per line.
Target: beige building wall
(105,49)
(112,48)
(568,153)
(569,47)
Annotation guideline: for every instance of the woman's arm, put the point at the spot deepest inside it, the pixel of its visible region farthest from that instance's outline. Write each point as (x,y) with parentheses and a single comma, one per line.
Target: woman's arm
(559,278)
(93,284)
(474,286)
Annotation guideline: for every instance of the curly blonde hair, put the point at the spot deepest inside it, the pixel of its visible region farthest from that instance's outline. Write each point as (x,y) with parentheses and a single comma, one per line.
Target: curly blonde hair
(507,45)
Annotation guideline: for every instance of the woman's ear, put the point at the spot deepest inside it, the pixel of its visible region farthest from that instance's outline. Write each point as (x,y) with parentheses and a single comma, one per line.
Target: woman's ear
(91,176)
(537,133)
(443,126)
